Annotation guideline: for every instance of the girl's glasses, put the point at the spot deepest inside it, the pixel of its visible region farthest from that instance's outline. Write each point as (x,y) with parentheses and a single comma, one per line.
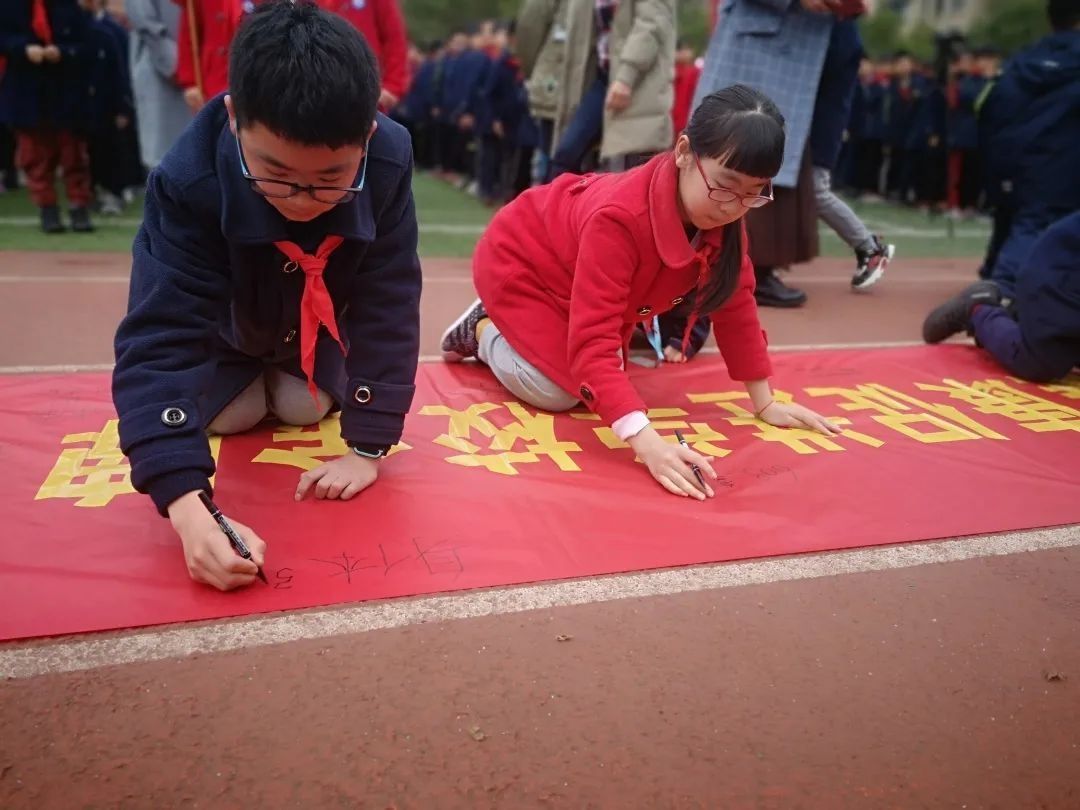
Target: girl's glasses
(725,195)
(281,189)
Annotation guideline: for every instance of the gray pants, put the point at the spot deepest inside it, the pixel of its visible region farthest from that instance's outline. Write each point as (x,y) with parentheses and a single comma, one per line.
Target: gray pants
(835,213)
(275,392)
(520,377)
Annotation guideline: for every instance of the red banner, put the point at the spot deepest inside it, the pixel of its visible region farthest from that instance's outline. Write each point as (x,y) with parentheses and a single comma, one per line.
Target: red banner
(485,491)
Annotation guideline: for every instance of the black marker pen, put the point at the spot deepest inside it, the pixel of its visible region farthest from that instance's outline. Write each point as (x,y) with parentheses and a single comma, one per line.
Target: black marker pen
(235,540)
(696,469)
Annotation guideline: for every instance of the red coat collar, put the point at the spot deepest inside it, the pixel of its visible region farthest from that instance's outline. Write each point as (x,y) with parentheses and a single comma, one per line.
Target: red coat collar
(672,245)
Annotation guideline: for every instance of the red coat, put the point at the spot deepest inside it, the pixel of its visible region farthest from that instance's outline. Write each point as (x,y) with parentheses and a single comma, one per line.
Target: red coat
(216,23)
(566,271)
(686,79)
(382,25)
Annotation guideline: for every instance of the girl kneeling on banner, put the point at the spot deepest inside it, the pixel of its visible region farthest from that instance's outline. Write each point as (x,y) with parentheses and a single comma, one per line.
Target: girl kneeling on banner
(566,271)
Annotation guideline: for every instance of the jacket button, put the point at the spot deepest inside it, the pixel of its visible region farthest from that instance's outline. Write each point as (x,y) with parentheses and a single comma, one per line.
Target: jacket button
(289,267)
(173,417)
(586,393)
(363,395)
(644,310)
(676,301)
(291,336)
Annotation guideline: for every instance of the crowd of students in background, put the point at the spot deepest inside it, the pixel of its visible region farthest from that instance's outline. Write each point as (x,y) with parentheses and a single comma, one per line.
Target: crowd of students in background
(914,138)
(468,109)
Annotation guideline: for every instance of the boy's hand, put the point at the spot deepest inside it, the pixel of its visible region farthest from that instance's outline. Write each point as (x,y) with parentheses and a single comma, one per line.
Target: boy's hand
(209,556)
(670,464)
(35,53)
(52,54)
(340,479)
(780,414)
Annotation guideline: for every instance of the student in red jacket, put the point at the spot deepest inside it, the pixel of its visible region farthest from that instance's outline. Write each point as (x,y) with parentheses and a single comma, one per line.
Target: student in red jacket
(567,270)
(382,25)
(210,33)
(687,74)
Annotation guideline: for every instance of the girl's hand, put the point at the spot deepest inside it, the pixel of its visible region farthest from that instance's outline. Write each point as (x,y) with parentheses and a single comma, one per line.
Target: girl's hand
(780,414)
(670,465)
(340,479)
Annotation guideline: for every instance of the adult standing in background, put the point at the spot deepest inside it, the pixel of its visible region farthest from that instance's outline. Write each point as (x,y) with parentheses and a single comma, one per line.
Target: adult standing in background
(383,26)
(779,48)
(160,111)
(615,84)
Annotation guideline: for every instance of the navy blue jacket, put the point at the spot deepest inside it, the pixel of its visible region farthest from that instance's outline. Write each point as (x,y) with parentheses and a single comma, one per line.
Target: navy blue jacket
(463,84)
(106,79)
(500,99)
(963,128)
(1048,297)
(1029,128)
(874,126)
(421,97)
(47,94)
(927,118)
(900,112)
(212,302)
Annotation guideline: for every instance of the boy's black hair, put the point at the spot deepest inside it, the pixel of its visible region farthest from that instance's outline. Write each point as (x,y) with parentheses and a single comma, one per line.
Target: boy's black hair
(1064,14)
(305,74)
(743,127)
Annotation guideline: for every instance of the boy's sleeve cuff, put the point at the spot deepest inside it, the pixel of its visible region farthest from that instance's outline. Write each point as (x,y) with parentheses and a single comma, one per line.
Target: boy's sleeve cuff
(168,488)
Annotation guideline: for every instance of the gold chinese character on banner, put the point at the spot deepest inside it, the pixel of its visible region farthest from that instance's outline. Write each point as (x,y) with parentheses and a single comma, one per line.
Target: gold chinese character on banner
(1068,388)
(312,445)
(999,398)
(524,440)
(803,441)
(923,421)
(699,435)
(95,473)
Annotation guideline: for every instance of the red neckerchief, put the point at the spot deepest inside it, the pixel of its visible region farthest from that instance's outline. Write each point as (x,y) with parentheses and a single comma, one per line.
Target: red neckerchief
(39,22)
(315,307)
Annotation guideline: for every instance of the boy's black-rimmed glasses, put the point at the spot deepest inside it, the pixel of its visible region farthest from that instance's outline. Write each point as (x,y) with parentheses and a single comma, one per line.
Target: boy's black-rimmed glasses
(281,189)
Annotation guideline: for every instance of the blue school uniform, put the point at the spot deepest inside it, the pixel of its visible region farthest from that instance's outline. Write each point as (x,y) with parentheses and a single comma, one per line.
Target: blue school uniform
(1029,126)
(213,301)
(45,95)
(1046,343)
(463,83)
(421,97)
(962,127)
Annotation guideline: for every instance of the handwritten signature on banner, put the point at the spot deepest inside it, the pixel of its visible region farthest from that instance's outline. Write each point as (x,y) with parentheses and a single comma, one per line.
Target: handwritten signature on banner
(501,437)
(441,559)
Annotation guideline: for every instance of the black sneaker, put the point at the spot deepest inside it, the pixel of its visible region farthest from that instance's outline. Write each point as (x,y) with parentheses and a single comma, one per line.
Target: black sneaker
(772,292)
(80,220)
(871,265)
(954,316)
(50,220)
(459,341)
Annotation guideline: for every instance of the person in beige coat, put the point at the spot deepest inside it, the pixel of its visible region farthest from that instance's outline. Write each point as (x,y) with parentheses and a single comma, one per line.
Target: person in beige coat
(613,85)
